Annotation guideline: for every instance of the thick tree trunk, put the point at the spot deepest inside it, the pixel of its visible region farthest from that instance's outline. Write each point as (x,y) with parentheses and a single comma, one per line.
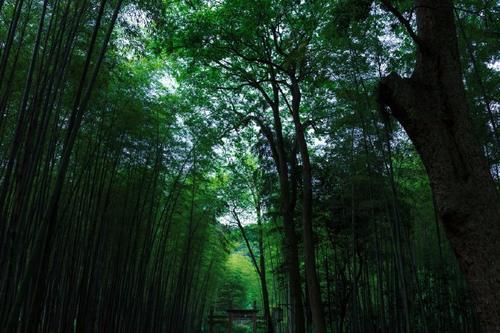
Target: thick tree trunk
(292,262)
(313,286)
(288,189)
(432,108)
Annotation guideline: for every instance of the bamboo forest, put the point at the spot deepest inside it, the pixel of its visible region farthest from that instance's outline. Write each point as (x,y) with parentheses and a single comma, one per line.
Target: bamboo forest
(259,166)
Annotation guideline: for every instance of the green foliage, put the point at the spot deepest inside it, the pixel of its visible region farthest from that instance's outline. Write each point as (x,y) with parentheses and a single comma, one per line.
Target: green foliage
(143,237)
(239,287)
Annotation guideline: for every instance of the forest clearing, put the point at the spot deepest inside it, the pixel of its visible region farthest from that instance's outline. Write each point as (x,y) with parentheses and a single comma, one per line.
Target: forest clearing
(264,166)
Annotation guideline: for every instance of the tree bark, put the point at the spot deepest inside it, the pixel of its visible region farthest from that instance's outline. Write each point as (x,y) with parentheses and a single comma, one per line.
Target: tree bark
(432,108)
(288,189)
(313,286)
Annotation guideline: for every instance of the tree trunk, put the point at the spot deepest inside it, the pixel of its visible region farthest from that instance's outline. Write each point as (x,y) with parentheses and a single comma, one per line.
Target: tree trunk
(288,192)
(292,265)
(313,286)
(432,108)
(262,268)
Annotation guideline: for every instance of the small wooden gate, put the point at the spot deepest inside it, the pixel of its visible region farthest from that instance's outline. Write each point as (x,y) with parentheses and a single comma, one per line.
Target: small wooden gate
(232,315)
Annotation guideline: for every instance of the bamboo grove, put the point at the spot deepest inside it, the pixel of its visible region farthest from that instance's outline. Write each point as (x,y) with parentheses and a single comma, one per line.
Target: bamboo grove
(162,162)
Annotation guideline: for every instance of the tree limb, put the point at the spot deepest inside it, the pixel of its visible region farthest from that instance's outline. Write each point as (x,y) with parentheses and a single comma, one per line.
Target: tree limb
(247,242)
(386,5)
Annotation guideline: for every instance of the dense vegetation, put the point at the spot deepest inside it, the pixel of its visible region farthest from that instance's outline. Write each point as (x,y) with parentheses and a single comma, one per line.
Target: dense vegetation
(333,163)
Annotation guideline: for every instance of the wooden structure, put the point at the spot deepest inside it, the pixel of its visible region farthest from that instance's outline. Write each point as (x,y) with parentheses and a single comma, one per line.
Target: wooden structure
(242,315)
(233,315)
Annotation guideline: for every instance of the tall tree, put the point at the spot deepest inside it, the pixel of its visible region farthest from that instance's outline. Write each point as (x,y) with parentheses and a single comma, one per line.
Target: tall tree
(431,106)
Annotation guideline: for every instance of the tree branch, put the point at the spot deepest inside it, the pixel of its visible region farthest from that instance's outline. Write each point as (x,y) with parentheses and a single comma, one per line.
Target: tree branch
(398,94)
(386,5)
(247,242)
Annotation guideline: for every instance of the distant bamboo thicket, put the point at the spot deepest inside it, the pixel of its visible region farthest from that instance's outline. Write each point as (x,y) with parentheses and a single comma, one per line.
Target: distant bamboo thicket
(87,204)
